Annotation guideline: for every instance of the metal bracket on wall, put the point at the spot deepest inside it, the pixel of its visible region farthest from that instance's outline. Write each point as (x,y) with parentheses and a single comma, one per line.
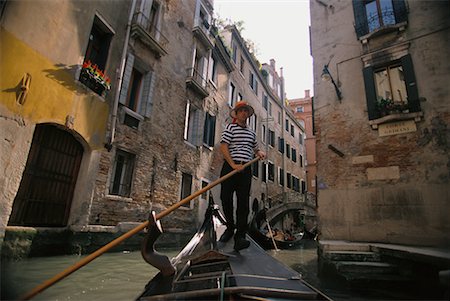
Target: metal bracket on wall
(338,152)
(24,88)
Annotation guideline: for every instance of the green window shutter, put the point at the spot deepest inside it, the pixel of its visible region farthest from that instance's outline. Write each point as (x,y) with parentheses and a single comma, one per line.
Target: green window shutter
(411,85)
(400,11)
(126,78)
(359,11)
(371,94)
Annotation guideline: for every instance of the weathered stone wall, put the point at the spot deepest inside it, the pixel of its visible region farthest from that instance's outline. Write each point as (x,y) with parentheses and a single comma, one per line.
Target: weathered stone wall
(374,187)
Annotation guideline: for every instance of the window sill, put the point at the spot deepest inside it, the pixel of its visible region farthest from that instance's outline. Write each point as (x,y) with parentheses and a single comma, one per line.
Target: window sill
(417,116)
(383,30)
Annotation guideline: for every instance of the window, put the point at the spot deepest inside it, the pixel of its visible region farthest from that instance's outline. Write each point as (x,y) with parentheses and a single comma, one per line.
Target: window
(281,176)
(264,134)
(122,173)
(265,101)
(264,172)
(271,171)
(279,117)
(137,88)
(288,150)
(300,138)
(213,70)
(97,54)
(209,130)
(231,94)
(391,86)
(271,138)
(240,97)
(251,122)
(255,169)
(299,109)
(295,183)
(153,17)
(186,188)
(294,155)
(371,15)
(241,68)
(292,130)
(303,184)
(134,90)
(205,195)
(287,125)
(281,145)
(253,82)
(288,180)
(301,160)
(191,125)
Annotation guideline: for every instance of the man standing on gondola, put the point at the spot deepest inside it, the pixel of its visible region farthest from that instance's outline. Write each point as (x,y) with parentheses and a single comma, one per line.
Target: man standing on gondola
(238,145)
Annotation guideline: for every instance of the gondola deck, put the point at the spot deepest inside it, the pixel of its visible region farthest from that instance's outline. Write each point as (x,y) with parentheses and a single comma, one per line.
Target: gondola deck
(212,270)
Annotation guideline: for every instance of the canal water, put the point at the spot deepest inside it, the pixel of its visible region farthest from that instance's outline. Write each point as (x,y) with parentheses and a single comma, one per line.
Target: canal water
(122,276)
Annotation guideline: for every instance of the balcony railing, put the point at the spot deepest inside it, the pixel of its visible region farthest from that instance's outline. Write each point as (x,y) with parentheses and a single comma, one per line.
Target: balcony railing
(196,81)
(201,32)
(149,34)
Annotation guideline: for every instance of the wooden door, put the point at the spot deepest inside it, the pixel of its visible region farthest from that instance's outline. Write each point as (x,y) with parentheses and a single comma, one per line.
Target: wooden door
(48,182)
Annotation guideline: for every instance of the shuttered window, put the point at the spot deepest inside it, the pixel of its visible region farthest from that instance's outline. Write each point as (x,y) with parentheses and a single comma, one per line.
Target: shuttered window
(385,86)
(137,87)
(372,15)
(209,130)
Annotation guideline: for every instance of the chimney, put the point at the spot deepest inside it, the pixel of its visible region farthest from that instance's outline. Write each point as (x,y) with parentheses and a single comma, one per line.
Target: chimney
(307,94)
(272,63)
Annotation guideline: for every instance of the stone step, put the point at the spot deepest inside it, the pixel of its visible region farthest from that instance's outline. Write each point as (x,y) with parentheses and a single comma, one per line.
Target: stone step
(391,278)
(364,268)
(352,256)
(329,246)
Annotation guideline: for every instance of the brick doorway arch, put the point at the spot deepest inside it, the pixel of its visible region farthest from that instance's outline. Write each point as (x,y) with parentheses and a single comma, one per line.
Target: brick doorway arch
(45,194)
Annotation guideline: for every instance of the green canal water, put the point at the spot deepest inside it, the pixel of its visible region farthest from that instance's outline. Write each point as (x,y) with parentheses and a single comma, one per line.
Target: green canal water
(122,276)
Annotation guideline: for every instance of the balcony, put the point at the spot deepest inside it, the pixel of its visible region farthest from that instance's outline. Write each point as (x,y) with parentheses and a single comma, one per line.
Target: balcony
(201,32)
(148,34)
(196,82)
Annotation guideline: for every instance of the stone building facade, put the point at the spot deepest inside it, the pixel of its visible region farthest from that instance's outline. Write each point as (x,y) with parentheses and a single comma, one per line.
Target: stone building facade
(383,128)
(144,138)
(303,111)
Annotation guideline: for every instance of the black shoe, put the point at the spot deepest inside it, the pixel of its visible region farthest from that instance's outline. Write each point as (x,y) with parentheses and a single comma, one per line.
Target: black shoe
(227,235)
(241,243)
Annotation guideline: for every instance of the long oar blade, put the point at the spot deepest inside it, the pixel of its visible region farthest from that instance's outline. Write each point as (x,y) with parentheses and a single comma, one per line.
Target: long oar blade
(46,284)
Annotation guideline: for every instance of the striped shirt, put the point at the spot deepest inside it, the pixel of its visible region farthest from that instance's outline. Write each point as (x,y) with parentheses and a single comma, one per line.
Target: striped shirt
(241,142)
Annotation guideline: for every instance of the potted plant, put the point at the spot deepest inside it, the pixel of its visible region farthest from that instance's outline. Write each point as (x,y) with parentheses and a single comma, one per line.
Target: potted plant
(94,78)
(384,105)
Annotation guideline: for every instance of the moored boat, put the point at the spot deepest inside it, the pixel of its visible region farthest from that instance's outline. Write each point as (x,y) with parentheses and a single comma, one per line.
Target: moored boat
(269,238)
(210,270)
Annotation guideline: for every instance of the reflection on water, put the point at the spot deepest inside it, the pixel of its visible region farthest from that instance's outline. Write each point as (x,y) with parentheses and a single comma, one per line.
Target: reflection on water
(122,276)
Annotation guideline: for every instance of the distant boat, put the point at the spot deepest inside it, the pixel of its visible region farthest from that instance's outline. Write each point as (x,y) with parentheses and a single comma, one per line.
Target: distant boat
(261,234)
(210,270)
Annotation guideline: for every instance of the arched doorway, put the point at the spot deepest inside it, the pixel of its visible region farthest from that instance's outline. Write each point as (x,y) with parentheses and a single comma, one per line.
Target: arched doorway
(48,182)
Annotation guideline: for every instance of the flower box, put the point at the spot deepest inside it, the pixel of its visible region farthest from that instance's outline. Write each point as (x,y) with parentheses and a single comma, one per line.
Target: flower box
(94,78)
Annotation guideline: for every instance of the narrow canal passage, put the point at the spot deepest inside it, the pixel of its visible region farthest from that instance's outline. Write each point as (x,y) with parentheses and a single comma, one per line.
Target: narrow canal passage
(122,276)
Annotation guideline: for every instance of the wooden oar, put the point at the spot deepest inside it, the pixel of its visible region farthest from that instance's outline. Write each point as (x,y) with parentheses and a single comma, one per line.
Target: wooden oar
(271,235)
(130,233)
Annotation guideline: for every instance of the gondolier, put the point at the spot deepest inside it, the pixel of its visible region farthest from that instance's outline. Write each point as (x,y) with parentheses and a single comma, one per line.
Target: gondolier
(238,145)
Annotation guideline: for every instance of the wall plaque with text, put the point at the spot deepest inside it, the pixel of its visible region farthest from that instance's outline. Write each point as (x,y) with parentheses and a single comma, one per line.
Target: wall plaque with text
(395,128)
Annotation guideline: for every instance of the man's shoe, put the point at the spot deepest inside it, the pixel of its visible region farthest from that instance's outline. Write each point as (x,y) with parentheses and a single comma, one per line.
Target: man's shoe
(227,235)
(241,243)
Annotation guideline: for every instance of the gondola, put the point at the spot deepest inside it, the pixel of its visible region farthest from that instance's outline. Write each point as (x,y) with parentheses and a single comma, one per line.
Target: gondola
(207,269)
(267,240)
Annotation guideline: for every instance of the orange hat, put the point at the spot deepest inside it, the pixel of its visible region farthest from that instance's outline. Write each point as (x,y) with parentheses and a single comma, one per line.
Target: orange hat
(239,105)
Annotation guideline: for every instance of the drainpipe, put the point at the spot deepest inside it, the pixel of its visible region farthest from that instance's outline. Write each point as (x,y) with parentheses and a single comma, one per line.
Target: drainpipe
(108,145)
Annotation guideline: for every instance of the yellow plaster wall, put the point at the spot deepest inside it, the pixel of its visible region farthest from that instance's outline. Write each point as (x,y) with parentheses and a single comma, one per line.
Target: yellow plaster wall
(54,93)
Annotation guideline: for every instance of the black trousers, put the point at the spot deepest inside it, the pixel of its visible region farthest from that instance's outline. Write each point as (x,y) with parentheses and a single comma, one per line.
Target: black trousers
(240,184)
